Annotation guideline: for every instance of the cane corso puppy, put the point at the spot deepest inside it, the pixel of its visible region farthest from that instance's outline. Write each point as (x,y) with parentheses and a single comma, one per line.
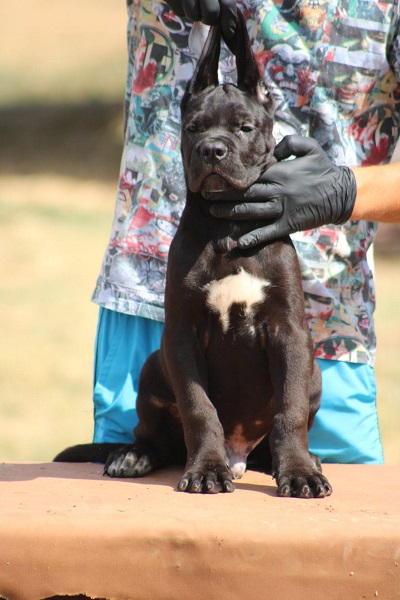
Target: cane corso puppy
(234,381)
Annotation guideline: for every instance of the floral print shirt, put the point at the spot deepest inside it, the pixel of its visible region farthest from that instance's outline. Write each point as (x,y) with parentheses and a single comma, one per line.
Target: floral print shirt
(333,68)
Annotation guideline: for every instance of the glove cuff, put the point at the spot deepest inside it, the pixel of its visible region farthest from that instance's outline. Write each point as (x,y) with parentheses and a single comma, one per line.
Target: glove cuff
(347,194)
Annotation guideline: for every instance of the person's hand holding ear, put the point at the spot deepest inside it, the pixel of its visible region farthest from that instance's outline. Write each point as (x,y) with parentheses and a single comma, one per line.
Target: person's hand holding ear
(292,195)
(210,12)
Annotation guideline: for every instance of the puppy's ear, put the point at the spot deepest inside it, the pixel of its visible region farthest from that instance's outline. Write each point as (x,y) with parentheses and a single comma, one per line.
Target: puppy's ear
(206,72)
(248,73)
(263,94)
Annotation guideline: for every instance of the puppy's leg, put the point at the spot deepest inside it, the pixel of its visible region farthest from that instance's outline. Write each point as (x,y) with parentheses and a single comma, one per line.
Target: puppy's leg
(158,436)
(296,471)
(315,393)
(207,468)
(315,401)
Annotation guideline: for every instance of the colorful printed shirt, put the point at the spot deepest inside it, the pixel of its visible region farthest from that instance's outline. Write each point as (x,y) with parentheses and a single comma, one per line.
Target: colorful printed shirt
(333,68)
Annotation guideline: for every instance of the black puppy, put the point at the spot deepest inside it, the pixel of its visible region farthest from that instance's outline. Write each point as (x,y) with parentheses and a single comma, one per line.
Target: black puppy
(235,375)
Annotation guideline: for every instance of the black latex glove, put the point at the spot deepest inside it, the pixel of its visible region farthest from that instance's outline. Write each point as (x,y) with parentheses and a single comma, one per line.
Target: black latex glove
(299,194)
(210,12)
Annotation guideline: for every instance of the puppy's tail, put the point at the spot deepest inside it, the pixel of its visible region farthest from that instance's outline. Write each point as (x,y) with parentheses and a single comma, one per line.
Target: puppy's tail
(95,453)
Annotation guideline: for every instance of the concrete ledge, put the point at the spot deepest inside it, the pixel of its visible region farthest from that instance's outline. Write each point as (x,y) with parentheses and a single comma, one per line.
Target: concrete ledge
(67,530)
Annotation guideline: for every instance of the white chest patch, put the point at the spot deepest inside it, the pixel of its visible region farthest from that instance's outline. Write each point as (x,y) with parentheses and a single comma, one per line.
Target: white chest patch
(242,288)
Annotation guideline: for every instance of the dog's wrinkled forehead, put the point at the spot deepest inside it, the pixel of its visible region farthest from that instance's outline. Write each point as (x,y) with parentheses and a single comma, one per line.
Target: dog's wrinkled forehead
(225,102)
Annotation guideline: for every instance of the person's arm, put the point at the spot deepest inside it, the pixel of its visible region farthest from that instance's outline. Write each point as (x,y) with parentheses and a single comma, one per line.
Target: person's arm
(310,191)
(378,193)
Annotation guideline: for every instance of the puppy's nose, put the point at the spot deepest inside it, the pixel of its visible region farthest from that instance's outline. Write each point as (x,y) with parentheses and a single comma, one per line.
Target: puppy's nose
(213,150)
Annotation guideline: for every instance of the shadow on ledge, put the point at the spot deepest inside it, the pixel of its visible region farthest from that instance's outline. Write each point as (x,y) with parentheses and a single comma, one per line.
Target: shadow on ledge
(80,597)
(83,140)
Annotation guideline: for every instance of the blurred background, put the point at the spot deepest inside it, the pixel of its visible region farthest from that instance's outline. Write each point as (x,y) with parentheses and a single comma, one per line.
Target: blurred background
(62,77)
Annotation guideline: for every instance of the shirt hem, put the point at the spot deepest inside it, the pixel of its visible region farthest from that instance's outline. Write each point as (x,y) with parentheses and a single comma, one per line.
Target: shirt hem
(131,307)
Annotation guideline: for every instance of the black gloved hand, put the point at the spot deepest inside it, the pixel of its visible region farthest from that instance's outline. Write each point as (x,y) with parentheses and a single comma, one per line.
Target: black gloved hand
(296,195)
(210,12)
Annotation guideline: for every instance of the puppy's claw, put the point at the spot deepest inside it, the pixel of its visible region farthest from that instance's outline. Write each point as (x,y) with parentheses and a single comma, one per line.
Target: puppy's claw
(195,488)
(183,485)
(229,486)
(284,490)
(305,492)
(211,485)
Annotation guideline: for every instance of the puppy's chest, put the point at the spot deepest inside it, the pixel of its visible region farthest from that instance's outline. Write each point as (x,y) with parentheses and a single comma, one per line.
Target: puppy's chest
(237,300)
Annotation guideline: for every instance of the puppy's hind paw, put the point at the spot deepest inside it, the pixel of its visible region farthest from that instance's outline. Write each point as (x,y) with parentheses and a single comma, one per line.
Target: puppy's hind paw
(130,461)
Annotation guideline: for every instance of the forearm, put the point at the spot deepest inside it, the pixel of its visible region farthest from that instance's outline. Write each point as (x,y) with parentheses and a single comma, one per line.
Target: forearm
(378,193)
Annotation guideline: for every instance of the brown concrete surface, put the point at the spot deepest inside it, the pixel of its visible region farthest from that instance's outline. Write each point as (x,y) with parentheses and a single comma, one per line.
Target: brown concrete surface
(67,530)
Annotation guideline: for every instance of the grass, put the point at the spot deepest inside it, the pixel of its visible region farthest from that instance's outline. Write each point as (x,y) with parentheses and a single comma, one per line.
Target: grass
(62,76)
(60,123)
(52,256)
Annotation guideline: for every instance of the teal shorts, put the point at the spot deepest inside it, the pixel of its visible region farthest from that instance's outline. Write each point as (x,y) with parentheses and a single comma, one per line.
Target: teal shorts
(346,426)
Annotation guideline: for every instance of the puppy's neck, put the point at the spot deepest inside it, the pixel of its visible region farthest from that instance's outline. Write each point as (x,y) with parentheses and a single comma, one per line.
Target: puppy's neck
(223,234)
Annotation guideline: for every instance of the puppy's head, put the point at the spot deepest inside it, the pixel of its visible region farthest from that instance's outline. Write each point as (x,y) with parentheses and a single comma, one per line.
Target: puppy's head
(227,137)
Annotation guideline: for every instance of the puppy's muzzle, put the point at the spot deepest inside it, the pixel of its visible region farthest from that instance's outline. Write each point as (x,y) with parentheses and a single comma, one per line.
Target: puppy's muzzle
(211,169)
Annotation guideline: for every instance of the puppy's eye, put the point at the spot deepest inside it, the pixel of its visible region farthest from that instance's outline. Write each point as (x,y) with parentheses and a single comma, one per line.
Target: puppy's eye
(192,127)
(246,128)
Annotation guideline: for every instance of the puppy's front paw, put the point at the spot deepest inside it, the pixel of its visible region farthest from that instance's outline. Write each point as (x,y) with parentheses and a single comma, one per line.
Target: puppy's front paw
(130,461)
(207,479)
(303,484)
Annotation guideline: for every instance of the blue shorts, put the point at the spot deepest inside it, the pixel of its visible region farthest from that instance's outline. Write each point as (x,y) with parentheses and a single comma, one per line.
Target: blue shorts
(345,429)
